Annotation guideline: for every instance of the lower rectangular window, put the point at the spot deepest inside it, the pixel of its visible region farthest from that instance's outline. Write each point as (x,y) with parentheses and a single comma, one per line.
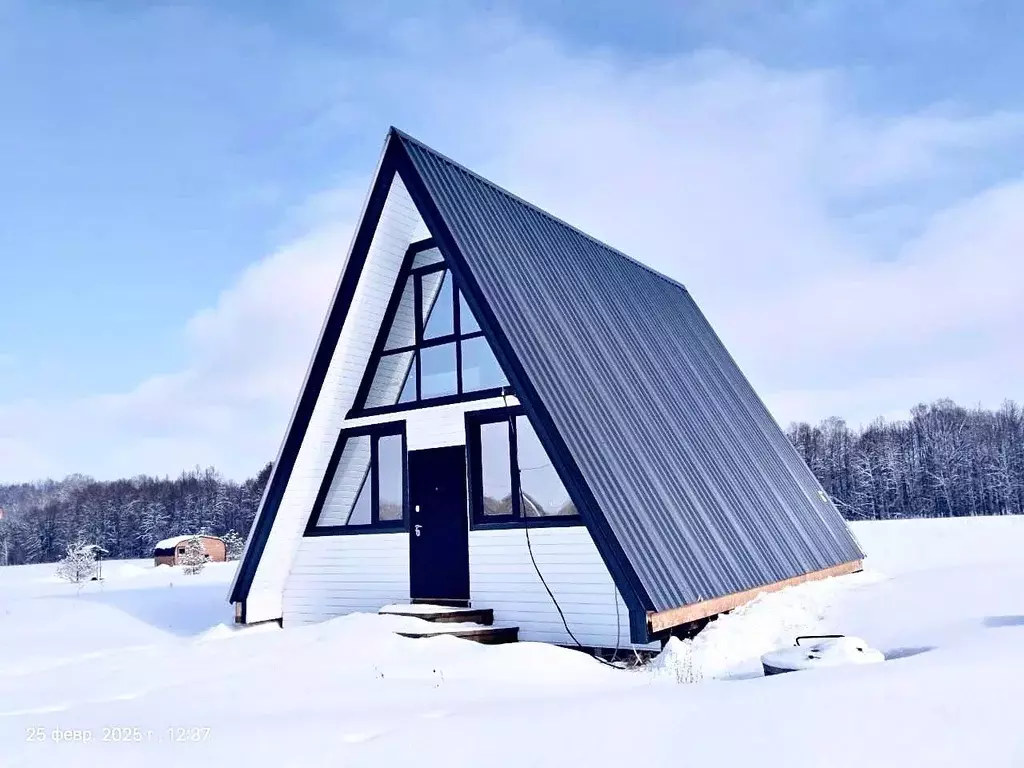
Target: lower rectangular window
(365,484)
(511,475)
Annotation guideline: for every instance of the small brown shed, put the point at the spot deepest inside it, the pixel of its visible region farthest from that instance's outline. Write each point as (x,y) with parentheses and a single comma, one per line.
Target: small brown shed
(167,552)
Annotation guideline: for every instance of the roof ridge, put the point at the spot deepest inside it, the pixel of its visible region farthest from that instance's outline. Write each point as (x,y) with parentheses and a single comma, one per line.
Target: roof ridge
(561,222)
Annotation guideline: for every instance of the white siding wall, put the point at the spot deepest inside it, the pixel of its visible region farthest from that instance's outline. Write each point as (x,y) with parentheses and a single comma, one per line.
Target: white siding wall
(399,225)
(335,575)
(502,577)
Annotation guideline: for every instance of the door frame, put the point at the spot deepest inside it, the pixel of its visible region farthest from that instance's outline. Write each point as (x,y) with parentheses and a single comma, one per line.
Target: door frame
(418,556)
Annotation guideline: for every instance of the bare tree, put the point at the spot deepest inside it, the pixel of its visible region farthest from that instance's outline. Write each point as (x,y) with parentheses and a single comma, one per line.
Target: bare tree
(79,564)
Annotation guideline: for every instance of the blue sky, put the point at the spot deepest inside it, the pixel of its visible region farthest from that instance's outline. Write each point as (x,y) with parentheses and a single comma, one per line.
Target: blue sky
(180,180)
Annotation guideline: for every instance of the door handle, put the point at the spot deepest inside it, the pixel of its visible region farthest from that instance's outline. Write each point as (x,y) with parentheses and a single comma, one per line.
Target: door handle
(417,529)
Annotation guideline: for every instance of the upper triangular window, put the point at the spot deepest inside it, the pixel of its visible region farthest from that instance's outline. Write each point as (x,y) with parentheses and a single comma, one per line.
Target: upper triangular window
(433,347)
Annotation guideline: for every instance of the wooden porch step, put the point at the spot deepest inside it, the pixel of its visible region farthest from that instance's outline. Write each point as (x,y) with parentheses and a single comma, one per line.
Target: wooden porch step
(442,614)
(479,634)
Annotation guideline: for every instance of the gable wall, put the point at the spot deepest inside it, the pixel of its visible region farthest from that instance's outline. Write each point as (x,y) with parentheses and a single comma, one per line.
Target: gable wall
(399,226)
(336,575)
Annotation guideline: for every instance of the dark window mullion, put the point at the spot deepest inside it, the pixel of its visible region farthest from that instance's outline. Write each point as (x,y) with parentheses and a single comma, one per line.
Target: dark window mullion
(418,309)
(457,327)
(437,342)
(418,328)
(374,480)
(419,377)
(426,269)
(474,467)
(456,311)
(458,367)
(513,457)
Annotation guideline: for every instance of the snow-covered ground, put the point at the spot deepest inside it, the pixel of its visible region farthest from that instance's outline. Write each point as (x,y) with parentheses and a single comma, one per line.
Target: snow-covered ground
(149,653)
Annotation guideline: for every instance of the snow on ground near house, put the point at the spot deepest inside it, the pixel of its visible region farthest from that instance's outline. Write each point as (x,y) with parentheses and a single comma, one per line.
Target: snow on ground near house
(153,649)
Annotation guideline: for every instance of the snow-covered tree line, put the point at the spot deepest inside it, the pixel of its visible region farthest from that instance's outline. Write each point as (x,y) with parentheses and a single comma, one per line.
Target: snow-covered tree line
(945,461)
(124,517)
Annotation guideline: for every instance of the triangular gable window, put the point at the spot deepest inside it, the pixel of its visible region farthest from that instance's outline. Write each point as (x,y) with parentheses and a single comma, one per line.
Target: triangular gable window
(433,348)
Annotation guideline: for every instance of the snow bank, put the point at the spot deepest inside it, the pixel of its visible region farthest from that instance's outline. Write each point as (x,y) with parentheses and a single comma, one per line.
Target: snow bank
(731,646)
(153,649)
(126,570)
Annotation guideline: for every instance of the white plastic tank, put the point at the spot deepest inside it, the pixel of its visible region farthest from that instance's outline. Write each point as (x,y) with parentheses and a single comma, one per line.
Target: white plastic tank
(814,651)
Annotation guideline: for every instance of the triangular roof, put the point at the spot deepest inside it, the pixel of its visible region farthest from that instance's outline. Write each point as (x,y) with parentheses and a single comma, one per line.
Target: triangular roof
(688,486)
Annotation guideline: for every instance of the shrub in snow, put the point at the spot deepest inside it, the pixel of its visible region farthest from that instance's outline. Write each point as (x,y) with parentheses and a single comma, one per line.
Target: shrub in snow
(194,558)
(234,545)
(79,564)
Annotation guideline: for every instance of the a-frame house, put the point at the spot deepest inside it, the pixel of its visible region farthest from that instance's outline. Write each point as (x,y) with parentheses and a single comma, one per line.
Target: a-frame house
(503,410)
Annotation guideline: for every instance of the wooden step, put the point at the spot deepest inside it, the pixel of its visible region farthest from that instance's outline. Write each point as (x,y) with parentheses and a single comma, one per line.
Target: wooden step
(442,614)
(485,635)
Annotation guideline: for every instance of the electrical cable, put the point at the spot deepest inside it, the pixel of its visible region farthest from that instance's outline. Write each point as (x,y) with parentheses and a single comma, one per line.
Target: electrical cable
(529,544)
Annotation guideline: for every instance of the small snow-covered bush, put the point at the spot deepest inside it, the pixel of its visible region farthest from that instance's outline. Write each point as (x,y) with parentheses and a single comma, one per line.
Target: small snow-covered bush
(194,558)
(234,545)
(79,564)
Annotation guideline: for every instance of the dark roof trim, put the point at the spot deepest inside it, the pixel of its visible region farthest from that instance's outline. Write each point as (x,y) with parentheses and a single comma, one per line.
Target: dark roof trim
(622,572)
(325,347)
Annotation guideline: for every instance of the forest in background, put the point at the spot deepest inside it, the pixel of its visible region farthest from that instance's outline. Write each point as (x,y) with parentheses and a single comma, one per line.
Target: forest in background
(944,461)
(125,517)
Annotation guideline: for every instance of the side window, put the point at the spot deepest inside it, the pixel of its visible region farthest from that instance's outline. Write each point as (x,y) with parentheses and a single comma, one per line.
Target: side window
(390,478)
(543,494)
(511,475)
(367,483)
(495,470)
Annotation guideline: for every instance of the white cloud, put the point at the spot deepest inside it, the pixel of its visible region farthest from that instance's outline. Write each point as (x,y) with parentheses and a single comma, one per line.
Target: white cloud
(226,408)
(734,178)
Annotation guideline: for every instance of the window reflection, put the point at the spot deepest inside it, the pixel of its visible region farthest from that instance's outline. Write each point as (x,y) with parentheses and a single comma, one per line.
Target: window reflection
(360,514)
(389,477)
(495,469)
(438,376)
(467,320)
(390,379)
(480,369)
(438,307)
(543,492)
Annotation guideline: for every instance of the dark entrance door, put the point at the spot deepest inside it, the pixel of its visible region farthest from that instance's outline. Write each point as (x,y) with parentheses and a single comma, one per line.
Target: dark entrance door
(439,533)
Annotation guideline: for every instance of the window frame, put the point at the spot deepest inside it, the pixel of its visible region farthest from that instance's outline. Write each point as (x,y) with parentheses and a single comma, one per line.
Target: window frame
(406,273)
(376,525)
(474,468)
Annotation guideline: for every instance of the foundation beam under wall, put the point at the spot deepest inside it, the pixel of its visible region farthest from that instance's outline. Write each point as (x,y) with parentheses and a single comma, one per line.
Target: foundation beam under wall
(662,621)
(240,617)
